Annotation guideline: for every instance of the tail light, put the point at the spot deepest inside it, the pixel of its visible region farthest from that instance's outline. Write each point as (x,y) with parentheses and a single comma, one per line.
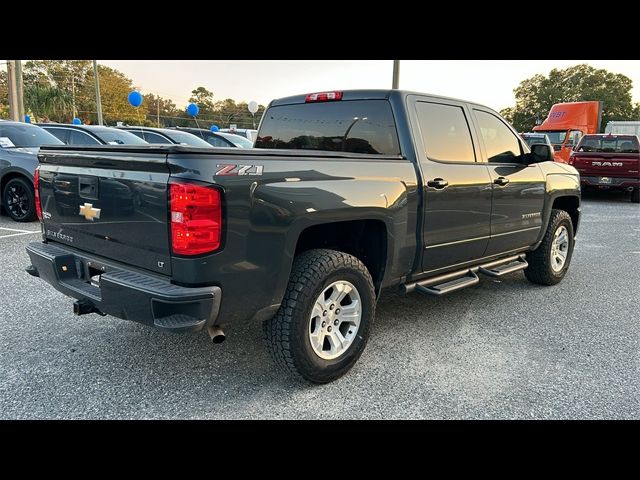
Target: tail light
(196,218)
(36,190)
(324,97)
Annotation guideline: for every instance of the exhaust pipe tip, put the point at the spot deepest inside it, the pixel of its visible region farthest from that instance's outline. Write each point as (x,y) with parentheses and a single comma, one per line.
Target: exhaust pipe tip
(216,334)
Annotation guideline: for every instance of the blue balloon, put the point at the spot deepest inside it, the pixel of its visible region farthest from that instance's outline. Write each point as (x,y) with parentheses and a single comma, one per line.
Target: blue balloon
(27,119)
(193,109)
(77,121)
(135,99)
(214,128)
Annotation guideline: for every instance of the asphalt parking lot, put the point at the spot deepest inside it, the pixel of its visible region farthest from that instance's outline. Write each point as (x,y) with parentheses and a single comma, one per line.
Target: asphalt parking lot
(503,349)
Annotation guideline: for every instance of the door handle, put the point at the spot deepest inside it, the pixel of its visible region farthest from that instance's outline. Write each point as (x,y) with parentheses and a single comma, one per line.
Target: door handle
(501,181)
(437,183)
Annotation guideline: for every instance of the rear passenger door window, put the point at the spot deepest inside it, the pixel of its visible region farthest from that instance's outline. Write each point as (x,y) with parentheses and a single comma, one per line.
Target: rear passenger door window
(500,143)
(61,134)
(77,137)
(445,132)
(218,142)
(152,137)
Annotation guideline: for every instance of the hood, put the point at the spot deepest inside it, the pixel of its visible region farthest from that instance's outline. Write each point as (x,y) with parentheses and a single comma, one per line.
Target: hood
(31,151)
(557,167)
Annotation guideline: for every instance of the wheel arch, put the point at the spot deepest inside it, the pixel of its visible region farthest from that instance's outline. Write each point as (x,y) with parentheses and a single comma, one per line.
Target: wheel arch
(366,239)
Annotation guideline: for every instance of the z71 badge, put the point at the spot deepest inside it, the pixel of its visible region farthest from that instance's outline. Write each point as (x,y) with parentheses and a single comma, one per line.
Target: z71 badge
(229,170)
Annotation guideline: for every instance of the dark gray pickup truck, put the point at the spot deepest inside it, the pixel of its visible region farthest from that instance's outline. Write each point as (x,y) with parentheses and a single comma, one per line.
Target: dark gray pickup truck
(346,193)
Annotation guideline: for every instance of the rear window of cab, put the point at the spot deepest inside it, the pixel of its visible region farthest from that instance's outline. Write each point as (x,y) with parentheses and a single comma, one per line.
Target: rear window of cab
(355,126)
(609,144)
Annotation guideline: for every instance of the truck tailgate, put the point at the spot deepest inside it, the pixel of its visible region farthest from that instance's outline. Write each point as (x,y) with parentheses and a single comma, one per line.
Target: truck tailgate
(607,164)
(109,203)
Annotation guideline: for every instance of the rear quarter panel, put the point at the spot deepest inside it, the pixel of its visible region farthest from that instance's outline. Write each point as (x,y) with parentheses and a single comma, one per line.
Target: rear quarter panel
(266,213)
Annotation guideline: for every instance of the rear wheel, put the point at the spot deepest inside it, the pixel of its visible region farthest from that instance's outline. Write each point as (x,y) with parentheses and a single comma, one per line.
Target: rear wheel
(635,195)
(19,200)
(548,264)
(323,323)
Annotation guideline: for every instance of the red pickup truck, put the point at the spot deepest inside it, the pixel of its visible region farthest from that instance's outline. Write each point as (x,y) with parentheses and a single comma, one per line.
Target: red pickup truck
(609,162)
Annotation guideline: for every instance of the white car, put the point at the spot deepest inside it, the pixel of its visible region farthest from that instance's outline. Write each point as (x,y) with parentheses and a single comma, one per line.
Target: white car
(248,133)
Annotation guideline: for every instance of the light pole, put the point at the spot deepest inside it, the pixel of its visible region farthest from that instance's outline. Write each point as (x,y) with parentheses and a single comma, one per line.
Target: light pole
(98,100)
(12,84)
(20,90)
(396,75)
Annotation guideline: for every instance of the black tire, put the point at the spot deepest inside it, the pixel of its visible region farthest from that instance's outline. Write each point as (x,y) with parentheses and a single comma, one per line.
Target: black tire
(18,199)
(287,333)
(539,269)
(635,195)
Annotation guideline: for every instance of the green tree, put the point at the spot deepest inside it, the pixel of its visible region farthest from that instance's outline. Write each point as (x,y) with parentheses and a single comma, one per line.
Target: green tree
(204,99)
(167,110)
(222,113)
(536,95)
(4,96)
(47,102)
(68,76)
(75,78)
(114,91)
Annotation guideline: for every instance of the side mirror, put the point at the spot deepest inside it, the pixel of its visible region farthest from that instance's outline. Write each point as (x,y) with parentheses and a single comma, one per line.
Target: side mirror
(541,153)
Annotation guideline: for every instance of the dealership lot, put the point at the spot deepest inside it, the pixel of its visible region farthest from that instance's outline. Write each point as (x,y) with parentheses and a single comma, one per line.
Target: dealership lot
(503,349)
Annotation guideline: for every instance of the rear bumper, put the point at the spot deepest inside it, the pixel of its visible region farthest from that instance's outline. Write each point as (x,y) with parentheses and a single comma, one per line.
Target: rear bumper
(615,182)
(124,293)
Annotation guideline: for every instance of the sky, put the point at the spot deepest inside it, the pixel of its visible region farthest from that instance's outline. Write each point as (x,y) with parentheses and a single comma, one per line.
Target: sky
(488,82)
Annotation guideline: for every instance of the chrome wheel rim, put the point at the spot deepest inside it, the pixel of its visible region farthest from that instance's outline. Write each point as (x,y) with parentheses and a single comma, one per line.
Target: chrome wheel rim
(559,248)
(335,319)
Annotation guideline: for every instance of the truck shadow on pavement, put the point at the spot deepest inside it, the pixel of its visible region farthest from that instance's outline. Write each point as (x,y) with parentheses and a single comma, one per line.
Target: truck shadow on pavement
(241,364)
(95,367)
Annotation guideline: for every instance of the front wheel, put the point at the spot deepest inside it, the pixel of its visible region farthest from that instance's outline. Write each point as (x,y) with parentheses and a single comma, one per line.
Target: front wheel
(548,264)
(19,200)
(323,323)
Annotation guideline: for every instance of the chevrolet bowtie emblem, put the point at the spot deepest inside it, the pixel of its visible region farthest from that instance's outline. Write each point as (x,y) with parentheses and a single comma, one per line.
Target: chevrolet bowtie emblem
(88,212)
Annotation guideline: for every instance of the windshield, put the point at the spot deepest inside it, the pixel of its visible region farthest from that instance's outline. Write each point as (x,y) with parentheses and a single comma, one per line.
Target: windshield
(237,140)
(24,136)
(356,126)
(117,137)
(557,137)
(609,144)
(185,138)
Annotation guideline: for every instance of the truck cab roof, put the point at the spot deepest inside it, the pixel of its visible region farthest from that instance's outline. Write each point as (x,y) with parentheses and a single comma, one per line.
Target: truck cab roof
(364,94)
